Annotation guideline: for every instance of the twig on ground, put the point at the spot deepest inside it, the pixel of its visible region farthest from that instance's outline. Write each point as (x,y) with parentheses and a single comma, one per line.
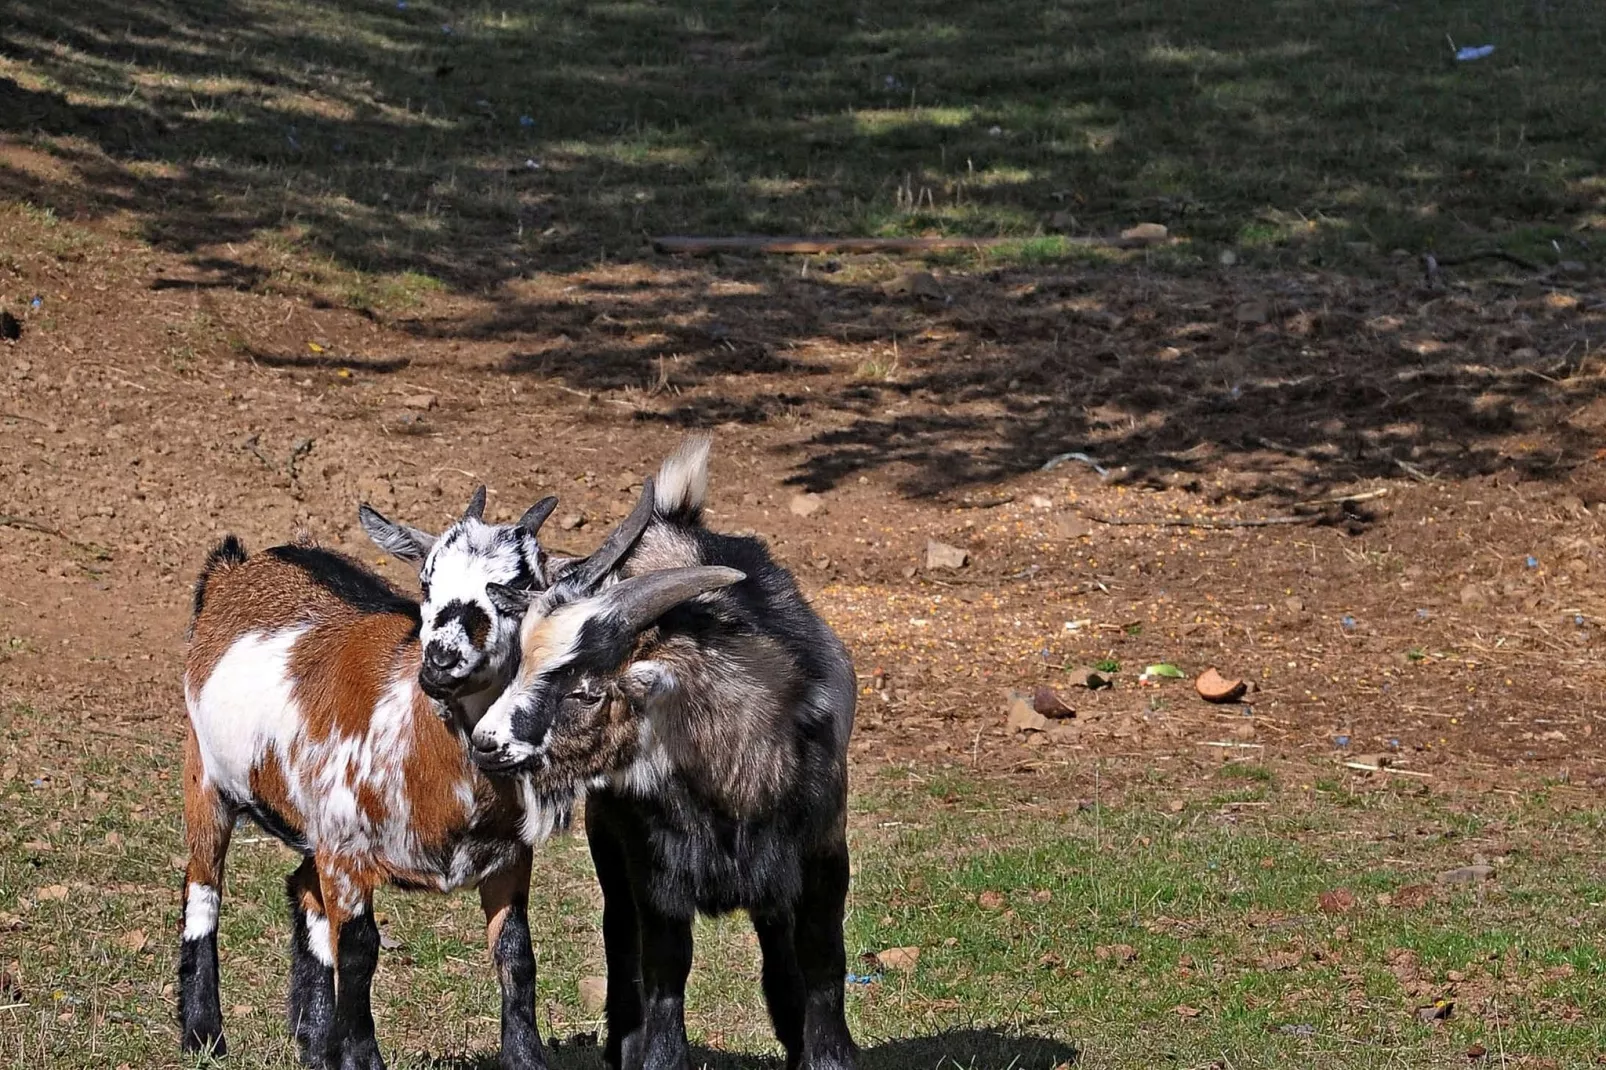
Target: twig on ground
(1200,522)
(9,521)
(1386,769)
(1344,499)
(814,245)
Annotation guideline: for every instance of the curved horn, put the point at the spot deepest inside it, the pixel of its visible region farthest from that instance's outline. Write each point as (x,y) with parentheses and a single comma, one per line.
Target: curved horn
(640,600)
(476,505)
(589,573)
(536,514)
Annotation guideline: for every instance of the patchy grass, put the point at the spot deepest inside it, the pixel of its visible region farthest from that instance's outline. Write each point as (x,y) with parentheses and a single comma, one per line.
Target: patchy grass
(471,142)
(1171,927)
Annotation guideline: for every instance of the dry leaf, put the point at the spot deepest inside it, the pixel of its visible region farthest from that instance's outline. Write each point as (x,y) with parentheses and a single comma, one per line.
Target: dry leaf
(991,900)
(1337,901)
(133,941)
(593,994)
(1185,1011)
(898,958)
(52,892)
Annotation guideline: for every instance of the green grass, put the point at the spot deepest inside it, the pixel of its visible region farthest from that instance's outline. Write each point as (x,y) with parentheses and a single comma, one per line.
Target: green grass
(470,142)
(1176,926)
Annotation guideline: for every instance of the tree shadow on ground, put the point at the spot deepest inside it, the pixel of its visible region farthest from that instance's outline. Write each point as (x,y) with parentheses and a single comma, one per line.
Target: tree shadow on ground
(307,139)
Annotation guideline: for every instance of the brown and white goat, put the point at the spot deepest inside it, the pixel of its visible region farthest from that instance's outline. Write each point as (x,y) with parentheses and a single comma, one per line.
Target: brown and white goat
(306,713)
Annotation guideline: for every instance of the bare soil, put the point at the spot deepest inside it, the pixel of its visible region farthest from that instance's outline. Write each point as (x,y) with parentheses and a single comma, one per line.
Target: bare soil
(1447,615)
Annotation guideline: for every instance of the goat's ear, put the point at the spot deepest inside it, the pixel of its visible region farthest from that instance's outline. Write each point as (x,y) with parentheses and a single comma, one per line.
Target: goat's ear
(401,540)
(509,601)
(536,515)
(556,565)
(645,681)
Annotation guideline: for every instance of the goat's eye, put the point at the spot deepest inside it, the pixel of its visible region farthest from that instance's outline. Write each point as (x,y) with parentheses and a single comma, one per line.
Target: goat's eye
(586,693)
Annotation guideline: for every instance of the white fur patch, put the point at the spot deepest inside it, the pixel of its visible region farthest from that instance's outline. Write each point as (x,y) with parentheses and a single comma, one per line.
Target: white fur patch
(200,911)
(318,939)
(645,776)
(542,817)
(245,707)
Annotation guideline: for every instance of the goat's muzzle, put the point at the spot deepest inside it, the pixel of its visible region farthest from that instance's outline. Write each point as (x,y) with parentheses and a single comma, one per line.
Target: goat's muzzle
(495,758)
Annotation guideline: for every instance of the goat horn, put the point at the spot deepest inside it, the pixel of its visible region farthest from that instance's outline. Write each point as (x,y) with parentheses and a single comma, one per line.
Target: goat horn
(476,505)
(619,542)
(642,599)
(536,514)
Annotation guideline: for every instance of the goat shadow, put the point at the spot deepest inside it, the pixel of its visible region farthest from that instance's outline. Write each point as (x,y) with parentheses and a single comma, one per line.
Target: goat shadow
(958,1049)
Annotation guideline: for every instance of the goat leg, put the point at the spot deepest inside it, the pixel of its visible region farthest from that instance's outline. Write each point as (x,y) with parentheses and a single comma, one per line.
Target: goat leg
(505,899)
(311,1006)
(208,824)
(354,946)
(784,993)
(827,1043)
(621,939)
(666,949)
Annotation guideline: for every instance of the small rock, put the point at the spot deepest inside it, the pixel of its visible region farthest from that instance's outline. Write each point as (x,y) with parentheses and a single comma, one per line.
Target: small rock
(389,942)
(1115,953)
(1295,604)
(1461,874)
(1023,717)
(1038,501)
(806,504)
(1437,1011)
(410,423)
(1048,703)
(1070,526)
(1337,901)
(1252,313)
(1145,234)
(1091,679)
(1063,732)
(572,521)
(1227,258)
(593,994)
(941,555)
(916,284)
(626,481)
(1213,687)
(895,959)
(421,402)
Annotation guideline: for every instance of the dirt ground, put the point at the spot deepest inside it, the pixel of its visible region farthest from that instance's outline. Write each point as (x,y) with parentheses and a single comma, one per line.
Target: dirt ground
(1446,614)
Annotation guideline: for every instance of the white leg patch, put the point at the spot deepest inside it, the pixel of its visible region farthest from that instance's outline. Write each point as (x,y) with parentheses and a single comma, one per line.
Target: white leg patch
(318,939)
(200,912)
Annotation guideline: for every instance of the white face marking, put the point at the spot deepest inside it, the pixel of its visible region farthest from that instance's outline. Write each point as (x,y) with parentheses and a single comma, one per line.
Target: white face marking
(318,939)
(245,707)
(468,556)
(548,642)
(200,912)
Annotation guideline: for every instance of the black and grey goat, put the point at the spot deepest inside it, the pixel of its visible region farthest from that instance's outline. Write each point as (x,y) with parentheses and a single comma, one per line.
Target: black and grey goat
(734,795)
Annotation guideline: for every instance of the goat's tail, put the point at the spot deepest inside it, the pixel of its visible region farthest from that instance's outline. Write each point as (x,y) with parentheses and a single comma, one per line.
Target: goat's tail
(683,482)
(224,556)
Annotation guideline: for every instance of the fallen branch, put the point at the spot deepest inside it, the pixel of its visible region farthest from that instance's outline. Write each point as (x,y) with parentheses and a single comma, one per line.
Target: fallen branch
(9,521)
(1386,769)
(810,246)
(1345,499)
(1200,522)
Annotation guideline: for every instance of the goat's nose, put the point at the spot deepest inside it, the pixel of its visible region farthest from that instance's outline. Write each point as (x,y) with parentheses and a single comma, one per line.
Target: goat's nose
(442,658)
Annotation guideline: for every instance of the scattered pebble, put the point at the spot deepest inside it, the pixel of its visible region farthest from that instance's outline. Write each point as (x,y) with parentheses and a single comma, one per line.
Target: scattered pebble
(807,505)
(942,555)
(1214,687)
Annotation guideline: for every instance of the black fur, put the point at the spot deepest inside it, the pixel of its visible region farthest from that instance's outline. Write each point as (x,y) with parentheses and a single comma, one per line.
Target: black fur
(352,1044)
(663,859)
(311,1002)
(200,1017)
(515,966)
(231,551)
(348,581)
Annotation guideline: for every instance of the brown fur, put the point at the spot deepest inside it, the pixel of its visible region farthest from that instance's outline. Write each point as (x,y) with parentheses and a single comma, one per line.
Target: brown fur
(501,892)
(208,822)
(343,666)
(260,594)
